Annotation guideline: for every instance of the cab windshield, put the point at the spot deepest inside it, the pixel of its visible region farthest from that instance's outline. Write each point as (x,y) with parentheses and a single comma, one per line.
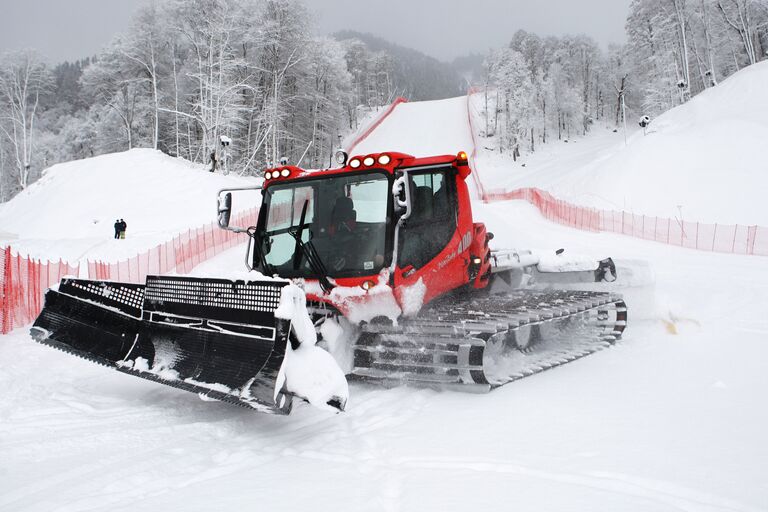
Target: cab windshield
(342,219)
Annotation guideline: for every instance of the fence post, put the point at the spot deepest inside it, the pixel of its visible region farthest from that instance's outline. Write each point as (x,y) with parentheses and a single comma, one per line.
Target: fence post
(697,234)
(733,245)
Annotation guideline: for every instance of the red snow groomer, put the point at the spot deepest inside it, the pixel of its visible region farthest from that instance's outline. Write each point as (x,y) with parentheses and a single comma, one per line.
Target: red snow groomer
(402,286)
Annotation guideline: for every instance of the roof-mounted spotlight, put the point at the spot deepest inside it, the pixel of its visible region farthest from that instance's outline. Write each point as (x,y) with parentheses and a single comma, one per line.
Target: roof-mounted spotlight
(285,173)
(384,159)
(354,163)
(268,175)
(368,161)
(341,157)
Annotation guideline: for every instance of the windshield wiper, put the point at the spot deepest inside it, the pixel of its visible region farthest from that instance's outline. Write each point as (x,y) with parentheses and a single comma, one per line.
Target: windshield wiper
(310,253)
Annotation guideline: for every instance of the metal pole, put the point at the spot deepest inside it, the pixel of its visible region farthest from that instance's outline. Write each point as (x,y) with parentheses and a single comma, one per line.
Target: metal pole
(624,117)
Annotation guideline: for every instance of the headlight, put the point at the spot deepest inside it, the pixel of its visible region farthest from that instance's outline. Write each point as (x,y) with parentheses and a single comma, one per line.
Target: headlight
(384,159)
(368,161)
(285,173)
(354,163)
(268,176)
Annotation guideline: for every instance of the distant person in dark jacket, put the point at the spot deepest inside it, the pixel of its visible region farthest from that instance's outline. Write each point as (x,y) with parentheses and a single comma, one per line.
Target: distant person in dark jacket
(213,161)
(117,228)
(123,227)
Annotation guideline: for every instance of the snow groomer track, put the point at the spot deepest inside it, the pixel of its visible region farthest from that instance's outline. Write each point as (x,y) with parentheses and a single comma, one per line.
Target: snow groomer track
(487,342)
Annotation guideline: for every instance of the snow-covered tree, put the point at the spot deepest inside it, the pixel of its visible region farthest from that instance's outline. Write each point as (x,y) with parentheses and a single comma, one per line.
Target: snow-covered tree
(24,79)
(678,48)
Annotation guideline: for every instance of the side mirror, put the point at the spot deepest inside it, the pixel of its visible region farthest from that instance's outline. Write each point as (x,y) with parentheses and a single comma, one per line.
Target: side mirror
(225,209)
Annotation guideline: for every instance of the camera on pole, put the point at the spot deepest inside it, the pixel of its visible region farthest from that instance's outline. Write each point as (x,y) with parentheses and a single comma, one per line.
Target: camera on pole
(644,122)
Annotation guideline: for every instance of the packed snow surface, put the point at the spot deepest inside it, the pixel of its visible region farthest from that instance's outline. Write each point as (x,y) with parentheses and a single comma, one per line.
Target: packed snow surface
(703,161)
(671,419)
(660,422)
(425,128)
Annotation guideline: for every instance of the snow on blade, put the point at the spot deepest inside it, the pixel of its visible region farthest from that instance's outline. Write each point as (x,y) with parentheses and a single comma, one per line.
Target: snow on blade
(308,371)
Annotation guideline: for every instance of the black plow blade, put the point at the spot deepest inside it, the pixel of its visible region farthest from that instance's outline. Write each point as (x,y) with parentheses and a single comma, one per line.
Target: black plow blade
(215,337)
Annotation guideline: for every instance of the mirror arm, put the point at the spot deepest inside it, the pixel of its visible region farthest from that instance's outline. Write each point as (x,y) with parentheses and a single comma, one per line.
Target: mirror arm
(405,181)
(234,229)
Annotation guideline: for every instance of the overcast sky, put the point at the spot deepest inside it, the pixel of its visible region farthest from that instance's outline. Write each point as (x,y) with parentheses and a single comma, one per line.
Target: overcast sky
(71,29)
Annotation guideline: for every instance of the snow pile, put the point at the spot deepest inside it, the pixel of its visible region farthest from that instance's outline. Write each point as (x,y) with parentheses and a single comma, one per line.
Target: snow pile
(704,160)
(71,210)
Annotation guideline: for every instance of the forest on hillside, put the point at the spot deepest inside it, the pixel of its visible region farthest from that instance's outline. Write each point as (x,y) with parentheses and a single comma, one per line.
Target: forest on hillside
(191,73)
(538,89)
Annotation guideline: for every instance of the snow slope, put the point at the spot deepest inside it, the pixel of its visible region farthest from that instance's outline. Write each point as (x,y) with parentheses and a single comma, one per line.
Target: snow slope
(69,213)
(424,128)
(706,156)
(662,422)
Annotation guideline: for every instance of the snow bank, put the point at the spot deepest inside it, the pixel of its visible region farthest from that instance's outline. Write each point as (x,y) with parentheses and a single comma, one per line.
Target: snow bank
(704,160)
(71,210)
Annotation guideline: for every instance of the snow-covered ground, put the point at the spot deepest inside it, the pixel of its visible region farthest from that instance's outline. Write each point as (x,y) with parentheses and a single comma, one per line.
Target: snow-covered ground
(70,212)
(424,128)
(661,422)
(671,419)
(704,159)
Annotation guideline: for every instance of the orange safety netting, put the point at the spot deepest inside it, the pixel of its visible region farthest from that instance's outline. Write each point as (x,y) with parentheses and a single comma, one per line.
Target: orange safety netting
(726,238)
(24,280)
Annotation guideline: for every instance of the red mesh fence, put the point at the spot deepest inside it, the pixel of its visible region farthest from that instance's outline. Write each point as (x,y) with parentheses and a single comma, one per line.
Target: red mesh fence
(726,238)
(23,281)
(380,117)
(182,254)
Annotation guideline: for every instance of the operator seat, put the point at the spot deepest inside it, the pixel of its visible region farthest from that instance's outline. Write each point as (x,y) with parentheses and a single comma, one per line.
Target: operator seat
(343,216)
(422,204)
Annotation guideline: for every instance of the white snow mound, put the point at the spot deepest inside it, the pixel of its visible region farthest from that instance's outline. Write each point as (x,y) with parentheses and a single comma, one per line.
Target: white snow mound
(706,157)
(73,207)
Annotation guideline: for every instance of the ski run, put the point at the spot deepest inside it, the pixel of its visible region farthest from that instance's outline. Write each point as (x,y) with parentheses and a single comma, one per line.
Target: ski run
(672,418)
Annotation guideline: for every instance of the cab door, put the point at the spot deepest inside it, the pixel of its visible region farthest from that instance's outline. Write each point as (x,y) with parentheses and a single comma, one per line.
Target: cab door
(430,258)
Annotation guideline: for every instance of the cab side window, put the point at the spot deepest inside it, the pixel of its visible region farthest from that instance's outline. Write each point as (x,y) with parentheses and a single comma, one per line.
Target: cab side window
(433,218)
